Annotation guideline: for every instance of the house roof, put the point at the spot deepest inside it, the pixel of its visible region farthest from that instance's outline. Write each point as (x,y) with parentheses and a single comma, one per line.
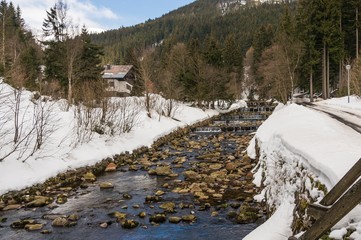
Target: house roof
(116,71)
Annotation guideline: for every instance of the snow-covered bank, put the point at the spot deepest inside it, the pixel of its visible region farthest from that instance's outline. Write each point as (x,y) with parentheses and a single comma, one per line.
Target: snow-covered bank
(298,148)
(58,154)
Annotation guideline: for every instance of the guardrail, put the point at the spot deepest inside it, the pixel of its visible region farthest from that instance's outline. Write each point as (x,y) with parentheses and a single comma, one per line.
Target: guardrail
(343,197)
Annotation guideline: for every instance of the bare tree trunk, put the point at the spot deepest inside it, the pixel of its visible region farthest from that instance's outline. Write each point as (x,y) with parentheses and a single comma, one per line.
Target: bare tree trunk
(357,40)
(340,74)
(3,40)
(327,73)
(70,90)
(17,95)
(311,85)
(324,72)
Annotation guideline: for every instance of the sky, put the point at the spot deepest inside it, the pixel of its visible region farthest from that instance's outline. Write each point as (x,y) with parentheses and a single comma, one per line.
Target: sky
(98,15)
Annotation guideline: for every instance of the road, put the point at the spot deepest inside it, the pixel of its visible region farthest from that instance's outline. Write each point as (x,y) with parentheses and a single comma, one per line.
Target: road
(351,118)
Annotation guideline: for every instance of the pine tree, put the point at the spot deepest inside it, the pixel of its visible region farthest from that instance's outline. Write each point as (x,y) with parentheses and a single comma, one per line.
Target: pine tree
(213,52)
(56,23)
(88,67)
(30,62)
(232,54)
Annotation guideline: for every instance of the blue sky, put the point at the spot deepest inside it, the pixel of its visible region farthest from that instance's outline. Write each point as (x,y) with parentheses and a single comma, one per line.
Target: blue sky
(99,14)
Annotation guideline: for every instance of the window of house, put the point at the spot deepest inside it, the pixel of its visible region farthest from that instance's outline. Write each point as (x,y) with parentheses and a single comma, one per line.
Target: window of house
(111,84)
(129,87)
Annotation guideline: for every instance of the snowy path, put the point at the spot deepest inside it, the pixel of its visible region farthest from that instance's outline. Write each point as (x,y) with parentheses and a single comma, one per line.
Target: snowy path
(349,118)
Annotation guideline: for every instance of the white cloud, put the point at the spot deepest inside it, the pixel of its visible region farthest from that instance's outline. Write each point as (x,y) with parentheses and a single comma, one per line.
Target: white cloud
(82,12)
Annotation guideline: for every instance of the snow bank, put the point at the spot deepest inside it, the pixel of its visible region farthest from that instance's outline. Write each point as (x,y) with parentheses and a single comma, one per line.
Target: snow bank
(58,153)
(298,146)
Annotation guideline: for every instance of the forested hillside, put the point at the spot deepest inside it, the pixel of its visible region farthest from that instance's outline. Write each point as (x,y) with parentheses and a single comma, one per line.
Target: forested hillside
(198,20)
(291,45)
(197,49)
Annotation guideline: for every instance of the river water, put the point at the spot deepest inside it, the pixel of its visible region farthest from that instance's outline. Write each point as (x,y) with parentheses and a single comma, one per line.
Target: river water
(93,206)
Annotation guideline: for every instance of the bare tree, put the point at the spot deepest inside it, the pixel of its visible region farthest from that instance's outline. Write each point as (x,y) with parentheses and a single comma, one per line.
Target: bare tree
(146,74)
(44,121)
(123,114)
(73,50)
(275,83)
(279,65)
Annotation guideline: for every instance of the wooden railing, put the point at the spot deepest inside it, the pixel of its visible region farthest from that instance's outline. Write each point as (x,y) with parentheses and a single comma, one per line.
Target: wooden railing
(343,197)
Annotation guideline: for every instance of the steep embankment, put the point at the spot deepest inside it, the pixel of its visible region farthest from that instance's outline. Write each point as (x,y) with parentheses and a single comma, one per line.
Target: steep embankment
(301,151)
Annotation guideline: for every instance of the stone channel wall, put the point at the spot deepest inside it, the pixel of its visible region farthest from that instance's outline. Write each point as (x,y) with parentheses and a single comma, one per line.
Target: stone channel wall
(286,177)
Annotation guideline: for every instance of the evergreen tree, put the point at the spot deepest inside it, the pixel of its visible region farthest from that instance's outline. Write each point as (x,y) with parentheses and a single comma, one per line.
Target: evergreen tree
(30,62)
(232,54)
(88,67)
(56,23)
(54,27)
(213,52)
(16,48)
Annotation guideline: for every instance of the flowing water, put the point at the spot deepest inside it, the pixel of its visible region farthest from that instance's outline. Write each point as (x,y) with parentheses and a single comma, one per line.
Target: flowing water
(93,206)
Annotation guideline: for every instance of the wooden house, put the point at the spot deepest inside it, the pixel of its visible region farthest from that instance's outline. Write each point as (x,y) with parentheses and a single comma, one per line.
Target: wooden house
(119,79)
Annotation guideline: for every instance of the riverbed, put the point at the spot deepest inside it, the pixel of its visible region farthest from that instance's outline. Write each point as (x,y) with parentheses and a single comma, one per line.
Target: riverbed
(198,186)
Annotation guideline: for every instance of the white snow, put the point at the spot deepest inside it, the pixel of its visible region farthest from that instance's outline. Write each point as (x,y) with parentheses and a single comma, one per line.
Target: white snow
(294,138)
(298,146)
(59,153)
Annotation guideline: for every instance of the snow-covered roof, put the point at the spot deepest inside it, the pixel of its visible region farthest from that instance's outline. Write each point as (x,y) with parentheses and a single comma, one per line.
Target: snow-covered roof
(116,71)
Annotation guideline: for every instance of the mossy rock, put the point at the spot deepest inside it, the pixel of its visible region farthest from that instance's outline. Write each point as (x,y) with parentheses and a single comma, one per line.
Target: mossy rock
(129,224)
(158,218)
(89,177)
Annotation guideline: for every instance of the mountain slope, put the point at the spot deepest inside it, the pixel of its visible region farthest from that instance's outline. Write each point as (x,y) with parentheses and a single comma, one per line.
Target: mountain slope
(197,20)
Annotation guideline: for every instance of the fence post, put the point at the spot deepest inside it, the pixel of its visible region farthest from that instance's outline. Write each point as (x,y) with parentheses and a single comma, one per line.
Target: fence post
(343,206)
(350,177)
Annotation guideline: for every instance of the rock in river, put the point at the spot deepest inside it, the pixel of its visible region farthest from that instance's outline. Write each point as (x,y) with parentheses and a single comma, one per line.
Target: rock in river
(174,219)
(89,177)
(118,215)
(39,201)
(34,227)
(112,167)
(12,207)
(163,171)
(60,222)
(191,175)
(157,218)
(168,206)
(106,185)
(142,214)
(129,224)
(189,218)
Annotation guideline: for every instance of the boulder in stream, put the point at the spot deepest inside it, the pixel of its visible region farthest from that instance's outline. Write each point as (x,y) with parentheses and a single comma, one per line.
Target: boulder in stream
(189,218)
(39,201)
(106,185)
(158,218)
(34,227)
(112,167)
(12,207)
(174,219)
(163,171)
(60,222)
(129,224)
(89,177)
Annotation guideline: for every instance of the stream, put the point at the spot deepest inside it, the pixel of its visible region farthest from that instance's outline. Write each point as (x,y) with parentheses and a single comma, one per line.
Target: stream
(198,186)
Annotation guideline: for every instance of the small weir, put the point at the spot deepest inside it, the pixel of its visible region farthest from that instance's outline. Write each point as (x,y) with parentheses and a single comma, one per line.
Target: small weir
(241,121)
(198,186)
